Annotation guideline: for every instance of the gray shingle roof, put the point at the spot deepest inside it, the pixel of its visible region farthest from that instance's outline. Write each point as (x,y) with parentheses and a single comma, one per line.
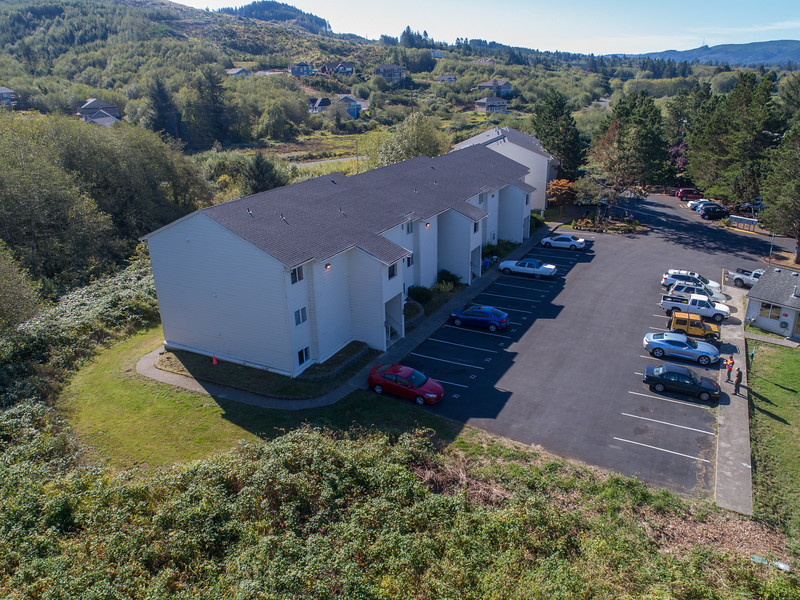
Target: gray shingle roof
(508,134)
(778,286)
(319,218)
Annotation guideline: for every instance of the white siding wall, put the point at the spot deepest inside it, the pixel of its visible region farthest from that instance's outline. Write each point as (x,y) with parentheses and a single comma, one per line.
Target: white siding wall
(540,172)
(366,298)
(426,252)
(753,314)
(220,295)
(455,243)
(331,321)
(511,214)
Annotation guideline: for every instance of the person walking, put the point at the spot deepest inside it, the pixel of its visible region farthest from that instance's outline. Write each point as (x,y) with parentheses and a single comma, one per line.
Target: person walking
(737,382)
(729,366)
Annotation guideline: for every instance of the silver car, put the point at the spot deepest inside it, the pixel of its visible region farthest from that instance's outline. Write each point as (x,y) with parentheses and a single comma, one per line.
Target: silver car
(687,289)
(677,344)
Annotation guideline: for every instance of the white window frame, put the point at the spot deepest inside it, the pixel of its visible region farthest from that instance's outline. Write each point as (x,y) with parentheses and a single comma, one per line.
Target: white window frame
(297,274)
(300,316)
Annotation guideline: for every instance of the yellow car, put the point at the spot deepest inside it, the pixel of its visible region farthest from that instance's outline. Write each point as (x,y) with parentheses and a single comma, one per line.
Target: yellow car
(694,326)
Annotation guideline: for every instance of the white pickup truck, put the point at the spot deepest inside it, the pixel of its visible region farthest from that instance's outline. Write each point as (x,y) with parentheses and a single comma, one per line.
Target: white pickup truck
(743,277)
(695,304)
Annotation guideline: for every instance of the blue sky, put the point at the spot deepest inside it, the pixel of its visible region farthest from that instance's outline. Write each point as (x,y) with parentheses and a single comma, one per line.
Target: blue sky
(613,26)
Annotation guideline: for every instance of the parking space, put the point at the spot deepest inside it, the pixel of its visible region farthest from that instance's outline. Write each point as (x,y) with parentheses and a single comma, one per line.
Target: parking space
(567,372)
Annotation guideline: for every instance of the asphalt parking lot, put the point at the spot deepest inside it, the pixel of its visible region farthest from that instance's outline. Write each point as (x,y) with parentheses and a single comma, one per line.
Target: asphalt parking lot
(566,373)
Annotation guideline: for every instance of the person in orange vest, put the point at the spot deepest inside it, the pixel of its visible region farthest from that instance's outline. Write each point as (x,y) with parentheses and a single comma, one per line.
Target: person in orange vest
(729,366)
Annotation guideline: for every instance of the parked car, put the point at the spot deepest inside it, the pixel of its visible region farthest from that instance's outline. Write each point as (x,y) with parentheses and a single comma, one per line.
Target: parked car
(694,326)
(481,316)
(701,203)
(714,211)
(682,380)
(684,276)
(573,242)
(687,289)
(695,304)
(405,382)
(756,204)
(688,193)
(528,266)
(680,346)
(744,277)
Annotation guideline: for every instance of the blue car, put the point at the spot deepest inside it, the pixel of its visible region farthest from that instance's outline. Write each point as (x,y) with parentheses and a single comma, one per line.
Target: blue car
(480,316)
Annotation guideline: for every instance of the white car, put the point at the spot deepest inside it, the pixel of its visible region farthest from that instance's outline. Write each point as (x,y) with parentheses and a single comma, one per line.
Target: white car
(572,242)
(684,276)
(687,289)
(693,203)
(528,266)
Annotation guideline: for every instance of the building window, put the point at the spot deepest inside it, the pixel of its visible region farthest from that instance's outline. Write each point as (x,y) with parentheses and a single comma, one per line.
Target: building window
(297,275)
(410,227)
(300,316)
(475,227)
(303,355)
(527,199)
(770,311)
(410,260)
(392,270)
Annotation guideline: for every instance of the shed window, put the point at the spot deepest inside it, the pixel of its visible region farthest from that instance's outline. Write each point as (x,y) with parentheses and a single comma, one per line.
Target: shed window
(770,311)
(297,275)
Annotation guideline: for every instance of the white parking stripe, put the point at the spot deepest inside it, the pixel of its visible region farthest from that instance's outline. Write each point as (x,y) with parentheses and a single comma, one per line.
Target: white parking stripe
(519,287)
(637,373)
(529,279)
(670,424)
(462,345)
(515,323)
(662,316)
(447,361)
(658,328)
(663,450)
(665,399)
(648,356)
(507,337)
(509,297)
(451,383)
(527,312)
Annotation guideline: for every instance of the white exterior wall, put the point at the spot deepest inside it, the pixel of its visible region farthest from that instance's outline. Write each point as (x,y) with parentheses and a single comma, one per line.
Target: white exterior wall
(366,298)
(455,243)
(511,214)
(540,170)
(219,295)
(788,315)
(426,251)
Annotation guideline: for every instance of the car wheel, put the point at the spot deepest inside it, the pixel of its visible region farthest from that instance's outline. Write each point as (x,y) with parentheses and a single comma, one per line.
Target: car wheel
(659,387)
(658,352)
(419,400)
(738,282)
(492,327)
(704,360)
(718,318)
(705,396)
(547,244)
(573,247)
(669,312)
(377,388)
(507,271)
(704,216)
(457,322)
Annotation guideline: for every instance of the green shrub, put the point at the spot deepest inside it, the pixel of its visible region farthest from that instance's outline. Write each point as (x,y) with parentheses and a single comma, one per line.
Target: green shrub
(445,276)
(420,294)
(537,221)
(442,287)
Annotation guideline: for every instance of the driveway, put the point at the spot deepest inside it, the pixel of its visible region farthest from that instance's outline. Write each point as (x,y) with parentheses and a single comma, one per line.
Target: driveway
(566,375)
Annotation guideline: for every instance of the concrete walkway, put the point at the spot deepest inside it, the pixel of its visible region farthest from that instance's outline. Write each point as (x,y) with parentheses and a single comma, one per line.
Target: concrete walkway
(734,484)
(771,340)
(395,353)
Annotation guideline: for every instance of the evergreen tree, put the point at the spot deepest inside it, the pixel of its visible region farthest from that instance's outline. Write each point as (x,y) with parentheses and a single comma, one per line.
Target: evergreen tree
(782,190)
(552,123)
(164,114)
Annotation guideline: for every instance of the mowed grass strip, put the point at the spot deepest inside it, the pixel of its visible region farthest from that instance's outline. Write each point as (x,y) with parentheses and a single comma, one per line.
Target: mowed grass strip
(774,387)
(130,420)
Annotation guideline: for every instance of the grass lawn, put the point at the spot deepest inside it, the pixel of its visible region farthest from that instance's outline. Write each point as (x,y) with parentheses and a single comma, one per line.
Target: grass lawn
(131,420)
(774,386)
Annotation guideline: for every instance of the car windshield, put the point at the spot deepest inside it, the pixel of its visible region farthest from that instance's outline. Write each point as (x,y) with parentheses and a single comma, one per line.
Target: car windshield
(694,376)
(417,379)
(659,371)
(691,343)
(703,279)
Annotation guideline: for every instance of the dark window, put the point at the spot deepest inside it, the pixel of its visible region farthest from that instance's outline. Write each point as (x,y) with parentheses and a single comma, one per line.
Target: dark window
(410,260)
(300,316)
(475,227)
(392,270)
(303,355)
(770,311)
(297,275)
(410,227)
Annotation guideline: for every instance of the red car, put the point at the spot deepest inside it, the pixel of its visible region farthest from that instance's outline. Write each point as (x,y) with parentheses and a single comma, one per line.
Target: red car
(405,382)
(689,194)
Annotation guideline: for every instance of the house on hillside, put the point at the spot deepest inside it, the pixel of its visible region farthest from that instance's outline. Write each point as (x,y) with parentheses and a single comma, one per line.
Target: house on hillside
(446,78)
(342,68)
(484,61)
(491,105)
(318,105)
(524,149)
(496,87)
(286,278)
(352,105)
(98,112)
(301,69)
(239,72)
(391,73)
(774,303)
(437,53)
(8,97)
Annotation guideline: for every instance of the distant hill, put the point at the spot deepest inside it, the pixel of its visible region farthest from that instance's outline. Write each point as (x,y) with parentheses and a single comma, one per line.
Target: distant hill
(266,10)
(775,53)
